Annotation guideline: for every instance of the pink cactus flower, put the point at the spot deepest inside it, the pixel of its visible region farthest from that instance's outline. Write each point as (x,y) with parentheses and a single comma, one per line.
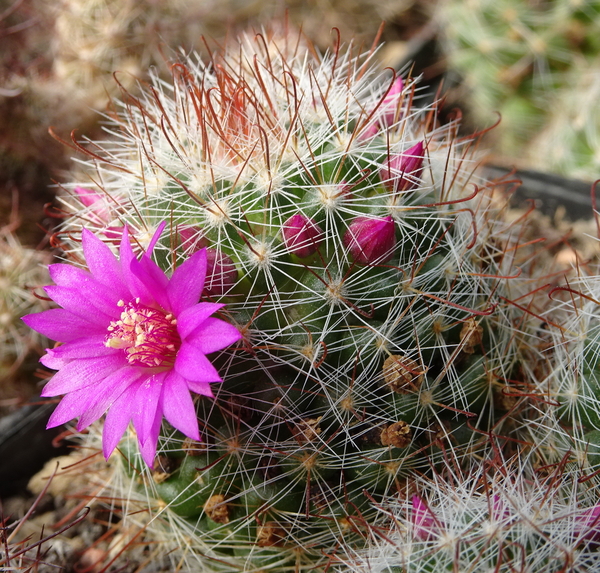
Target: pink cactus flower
(301,235)
(422,519)
(371,240)
(134,342)
(402,172)
(99,211)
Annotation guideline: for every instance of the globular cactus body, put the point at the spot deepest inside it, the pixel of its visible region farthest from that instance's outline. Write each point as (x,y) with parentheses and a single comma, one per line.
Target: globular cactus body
(365,267)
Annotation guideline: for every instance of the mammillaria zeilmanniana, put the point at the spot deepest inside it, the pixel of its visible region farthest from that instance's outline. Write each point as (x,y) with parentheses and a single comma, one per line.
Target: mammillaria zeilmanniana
(367,268)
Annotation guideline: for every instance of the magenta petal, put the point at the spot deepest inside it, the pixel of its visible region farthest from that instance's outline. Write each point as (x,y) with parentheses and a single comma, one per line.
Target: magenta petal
(214,334)
(67,276)
(88,347)
(105,395)
(82,373)
(194,366)
(71,406)
(83,303)
(53,361)
(117,420)
(103,265)
(147,402)
(178,406)
(369,131)
(62,325)
(202,388)
(153,279)
(193,317)
(148,447)
(154,239)
(135,287)
(187,282)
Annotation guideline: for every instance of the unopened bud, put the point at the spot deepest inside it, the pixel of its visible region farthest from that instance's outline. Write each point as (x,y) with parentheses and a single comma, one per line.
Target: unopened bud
(386,112)
(191,238)
(389,105)
(587,524)
(301,235)
(402,172)
(221,273)
(99,212)
(371,240)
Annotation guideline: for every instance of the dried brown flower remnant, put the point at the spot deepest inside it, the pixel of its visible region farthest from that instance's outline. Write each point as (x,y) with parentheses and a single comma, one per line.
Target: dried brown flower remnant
(306,431)
(269,534)
(471,335)
(402,374)
(398,435)
(217,509)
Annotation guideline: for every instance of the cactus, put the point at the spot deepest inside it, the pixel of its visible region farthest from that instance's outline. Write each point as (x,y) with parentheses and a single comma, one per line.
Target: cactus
(532,62)
(490,521)
(21,271)
(366,266)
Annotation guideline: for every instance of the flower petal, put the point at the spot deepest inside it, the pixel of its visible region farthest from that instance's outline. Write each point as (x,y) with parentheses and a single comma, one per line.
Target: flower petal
(194,366)
(148,448)
(67,276)
(202,388)
(103,265)
(62,325)
(178,406)
(153,279)
(117,419)
(104,396)
(154,239)
(193,317)
(83,303)
(213,334)
(146,405)
(135,287)
(51,360)
(82,373)
(71,406)
(86,347)
(187,282)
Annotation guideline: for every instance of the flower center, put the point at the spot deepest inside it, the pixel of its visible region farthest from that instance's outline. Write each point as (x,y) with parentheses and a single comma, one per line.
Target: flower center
(148,336)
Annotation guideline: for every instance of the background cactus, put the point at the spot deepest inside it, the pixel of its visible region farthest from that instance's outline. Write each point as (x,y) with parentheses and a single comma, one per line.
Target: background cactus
(365,264)
(536,63)
(22,270)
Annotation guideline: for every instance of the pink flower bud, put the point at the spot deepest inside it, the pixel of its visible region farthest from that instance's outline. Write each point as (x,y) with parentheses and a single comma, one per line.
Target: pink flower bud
(191,237)
(97,203)
(587,524)
(389,105)
(422,519)
(401,172)
(386,112)
(301,235)
(369,132)
(371,240)
(221,273)
(498,509)
(99,213)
